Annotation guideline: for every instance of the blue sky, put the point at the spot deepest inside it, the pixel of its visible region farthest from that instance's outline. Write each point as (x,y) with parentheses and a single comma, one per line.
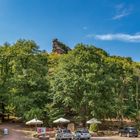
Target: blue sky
(113,25)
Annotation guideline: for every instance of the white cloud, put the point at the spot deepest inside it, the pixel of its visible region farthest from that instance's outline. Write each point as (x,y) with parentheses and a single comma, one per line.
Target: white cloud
(121,15)
(118,36)
(122,11)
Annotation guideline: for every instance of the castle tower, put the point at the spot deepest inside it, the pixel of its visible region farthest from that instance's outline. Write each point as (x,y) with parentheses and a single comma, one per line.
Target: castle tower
(56,47)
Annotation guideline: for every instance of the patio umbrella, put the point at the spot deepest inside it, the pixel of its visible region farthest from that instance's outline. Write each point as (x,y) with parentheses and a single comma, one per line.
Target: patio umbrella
(61,120)
(34,122)
(93,121)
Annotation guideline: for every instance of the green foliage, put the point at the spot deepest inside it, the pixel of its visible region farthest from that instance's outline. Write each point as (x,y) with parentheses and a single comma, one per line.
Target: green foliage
(24,83)
(77,81)
(78,85)
(93,128)
(33,113)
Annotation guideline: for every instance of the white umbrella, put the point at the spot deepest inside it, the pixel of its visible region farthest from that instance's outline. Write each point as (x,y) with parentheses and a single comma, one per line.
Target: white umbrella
(34,122)
(61,120)
(93,121)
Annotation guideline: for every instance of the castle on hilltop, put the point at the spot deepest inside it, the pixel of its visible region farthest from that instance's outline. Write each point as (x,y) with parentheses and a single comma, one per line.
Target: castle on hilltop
(59,47)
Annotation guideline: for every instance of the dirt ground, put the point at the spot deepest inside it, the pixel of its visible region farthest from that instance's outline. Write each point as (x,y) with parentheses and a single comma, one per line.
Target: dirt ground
(17,132)
(115,138)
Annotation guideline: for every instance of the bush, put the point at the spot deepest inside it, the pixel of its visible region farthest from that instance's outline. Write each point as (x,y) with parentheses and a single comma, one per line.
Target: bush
(93,128)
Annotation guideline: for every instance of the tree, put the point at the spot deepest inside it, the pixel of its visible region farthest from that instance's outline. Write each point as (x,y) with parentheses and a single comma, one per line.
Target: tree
(134,111)
(24,79)
(5,75)
(121,70)
(78,82)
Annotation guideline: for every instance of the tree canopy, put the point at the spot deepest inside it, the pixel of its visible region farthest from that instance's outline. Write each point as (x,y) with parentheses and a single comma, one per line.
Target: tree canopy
(82,83)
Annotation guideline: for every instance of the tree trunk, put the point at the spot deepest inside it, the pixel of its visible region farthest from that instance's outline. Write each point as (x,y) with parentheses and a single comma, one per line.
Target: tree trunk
(3,111)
